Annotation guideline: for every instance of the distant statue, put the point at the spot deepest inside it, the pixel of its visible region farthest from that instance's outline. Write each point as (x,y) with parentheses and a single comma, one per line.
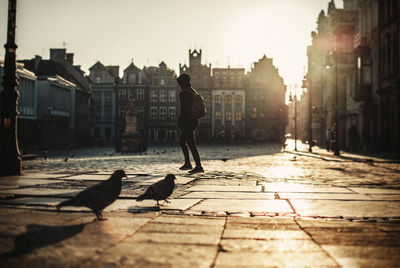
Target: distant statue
(132,140)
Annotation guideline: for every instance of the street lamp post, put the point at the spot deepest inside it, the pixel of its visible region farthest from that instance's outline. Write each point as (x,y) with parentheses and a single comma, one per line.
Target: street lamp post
(308,86)
(10,157)
(336,149)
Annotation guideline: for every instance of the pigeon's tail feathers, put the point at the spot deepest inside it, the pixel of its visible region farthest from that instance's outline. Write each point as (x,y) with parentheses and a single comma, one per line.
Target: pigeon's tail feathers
(70,202)
(142,197)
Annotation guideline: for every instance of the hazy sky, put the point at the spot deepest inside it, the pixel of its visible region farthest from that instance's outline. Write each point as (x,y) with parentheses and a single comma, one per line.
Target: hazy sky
(234,32)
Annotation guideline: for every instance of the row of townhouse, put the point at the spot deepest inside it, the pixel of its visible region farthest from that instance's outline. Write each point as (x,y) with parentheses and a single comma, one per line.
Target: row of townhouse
(62,107)
(353,72)
(239,106)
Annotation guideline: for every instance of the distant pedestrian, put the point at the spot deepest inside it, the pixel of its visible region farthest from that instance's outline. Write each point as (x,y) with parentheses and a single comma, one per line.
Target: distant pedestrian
(188,123)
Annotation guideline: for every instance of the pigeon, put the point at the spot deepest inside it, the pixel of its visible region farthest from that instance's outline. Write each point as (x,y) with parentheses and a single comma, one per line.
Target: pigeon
(160,190)
(99,196)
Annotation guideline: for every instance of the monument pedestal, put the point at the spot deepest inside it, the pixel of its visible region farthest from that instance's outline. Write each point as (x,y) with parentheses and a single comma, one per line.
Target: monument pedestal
(132,141)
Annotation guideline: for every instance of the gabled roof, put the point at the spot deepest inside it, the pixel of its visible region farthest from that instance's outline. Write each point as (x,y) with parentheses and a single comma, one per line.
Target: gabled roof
(131,67)
(97,65)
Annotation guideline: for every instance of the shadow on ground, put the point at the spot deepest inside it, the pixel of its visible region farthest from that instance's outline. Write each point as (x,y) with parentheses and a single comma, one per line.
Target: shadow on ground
(38,236)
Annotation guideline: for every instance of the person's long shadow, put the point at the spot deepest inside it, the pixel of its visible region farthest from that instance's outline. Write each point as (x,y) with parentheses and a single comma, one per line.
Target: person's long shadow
(38,236)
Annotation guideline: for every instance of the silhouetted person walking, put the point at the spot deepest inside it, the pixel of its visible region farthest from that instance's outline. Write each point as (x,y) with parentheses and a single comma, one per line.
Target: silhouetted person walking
(188,123)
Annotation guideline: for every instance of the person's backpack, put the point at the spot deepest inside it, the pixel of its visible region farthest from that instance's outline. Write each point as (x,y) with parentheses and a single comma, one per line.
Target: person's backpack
(198,108)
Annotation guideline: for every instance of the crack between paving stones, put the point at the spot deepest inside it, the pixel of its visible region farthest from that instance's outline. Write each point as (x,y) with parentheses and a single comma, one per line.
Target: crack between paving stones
(219,246)
(201,200)
(312,239)
(291,206)
(100,251)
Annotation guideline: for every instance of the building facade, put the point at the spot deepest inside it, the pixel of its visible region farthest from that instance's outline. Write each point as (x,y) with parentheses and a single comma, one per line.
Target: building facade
(103,103)
(163,103)
(28,127)
(360,44)
(266,111)
(228,97)
(61,64)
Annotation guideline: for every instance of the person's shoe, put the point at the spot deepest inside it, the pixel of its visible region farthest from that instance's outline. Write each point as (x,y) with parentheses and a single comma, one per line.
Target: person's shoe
(197,169)
(186,167)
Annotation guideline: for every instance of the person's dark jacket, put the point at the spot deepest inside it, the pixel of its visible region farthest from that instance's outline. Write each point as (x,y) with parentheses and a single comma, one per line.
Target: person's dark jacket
(186,119)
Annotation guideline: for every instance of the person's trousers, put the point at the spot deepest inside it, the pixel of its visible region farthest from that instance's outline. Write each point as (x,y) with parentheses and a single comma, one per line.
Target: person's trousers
(186,140)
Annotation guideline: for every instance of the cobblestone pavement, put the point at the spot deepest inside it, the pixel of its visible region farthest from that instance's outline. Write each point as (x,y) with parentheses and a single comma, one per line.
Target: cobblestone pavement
(255,206)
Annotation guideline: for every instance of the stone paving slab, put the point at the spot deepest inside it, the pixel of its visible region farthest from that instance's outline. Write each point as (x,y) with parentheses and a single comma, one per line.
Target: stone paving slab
(393,197)
(154,254)
(319,196)
(374,191)
(133,205)
(301,188)
(179,180)
(36,175)
(223,188)
(8,183)
(190,220)
(364,256)
(88,177)
(40,192)
(234,206)
(33,201)
(334,208)
(228,195)
(273,259)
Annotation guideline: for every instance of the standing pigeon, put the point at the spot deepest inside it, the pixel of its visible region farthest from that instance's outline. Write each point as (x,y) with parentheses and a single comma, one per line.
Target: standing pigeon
(160,190)
(99,196)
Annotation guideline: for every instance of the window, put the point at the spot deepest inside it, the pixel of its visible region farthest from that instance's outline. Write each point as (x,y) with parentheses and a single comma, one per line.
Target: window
(122,94)
(140,94)
(132,78)
(228,99)
(172,96)
(253,113)
(97,113)
(262,115)
(228,116)
(238,100)
(163,96)
(218,99)
(107,113)
(131,93)
(96,98)
(140,112)
(172,112)
(153,96)
(162,81)
(218,115)
(153,112)
(238,116)
(121,112)
(163,112)
(108,99)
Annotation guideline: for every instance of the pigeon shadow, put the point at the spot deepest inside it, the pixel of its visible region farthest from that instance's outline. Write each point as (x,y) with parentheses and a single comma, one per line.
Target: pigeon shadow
(38,236)
(139,210)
